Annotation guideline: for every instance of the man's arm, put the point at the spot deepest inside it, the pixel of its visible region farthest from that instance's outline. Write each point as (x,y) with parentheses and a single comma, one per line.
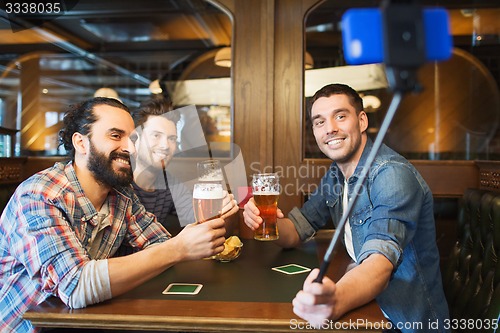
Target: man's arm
(193,242)
(318,302)
(102,279)
(288,236)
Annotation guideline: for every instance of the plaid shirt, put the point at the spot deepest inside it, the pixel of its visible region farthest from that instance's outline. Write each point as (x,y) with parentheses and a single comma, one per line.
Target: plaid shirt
(44,239)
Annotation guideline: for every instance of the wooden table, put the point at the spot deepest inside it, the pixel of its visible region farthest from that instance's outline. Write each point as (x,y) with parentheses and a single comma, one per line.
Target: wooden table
(245,295)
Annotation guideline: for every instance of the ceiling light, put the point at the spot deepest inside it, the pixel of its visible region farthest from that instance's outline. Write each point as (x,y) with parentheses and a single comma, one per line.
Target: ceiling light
(360,78)
(308,61)
(371,103)
(223,57)
(155,87)
(107,92)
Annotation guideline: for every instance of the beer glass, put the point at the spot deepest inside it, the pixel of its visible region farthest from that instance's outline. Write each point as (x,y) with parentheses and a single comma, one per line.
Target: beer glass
(210,171)
(207,201)
(266,190)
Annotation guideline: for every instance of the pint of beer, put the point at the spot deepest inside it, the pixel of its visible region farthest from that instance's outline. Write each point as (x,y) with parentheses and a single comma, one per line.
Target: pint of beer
(265,187)
(207,201)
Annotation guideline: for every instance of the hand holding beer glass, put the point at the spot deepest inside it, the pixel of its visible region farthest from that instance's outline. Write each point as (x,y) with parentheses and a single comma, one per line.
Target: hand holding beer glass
(266,190)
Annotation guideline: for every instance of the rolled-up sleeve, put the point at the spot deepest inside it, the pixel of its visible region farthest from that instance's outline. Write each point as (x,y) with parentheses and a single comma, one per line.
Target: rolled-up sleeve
(302,225)
(397,198)
(388,248)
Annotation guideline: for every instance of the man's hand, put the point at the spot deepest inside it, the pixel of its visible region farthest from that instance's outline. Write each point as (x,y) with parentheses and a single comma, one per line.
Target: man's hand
(251,215)
(316,302)
(201,240)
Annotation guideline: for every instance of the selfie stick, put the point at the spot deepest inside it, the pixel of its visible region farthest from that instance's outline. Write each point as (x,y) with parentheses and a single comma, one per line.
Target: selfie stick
(404,29)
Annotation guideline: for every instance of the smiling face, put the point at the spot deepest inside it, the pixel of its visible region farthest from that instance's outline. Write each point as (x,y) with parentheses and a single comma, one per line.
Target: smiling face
(109,146)
(339,130)
(157,143)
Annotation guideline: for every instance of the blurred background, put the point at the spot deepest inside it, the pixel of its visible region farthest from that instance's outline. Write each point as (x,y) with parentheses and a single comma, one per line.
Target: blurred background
(182,50)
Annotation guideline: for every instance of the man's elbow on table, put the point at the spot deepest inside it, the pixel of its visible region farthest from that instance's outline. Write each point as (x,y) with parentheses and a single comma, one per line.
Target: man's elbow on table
(93,285)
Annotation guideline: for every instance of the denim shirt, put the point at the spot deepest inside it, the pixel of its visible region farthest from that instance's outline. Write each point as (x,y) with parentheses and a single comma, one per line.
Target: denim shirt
(393,216)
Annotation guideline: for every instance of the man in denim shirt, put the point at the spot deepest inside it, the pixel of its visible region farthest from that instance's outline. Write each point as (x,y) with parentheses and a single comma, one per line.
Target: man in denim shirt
(390,234)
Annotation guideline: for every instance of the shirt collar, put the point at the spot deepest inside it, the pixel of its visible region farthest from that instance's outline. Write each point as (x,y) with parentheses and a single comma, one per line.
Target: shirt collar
(88,208)
(337,174)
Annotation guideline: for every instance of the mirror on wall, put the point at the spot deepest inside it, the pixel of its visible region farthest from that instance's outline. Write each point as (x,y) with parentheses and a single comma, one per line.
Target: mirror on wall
(124,49)
(455,117)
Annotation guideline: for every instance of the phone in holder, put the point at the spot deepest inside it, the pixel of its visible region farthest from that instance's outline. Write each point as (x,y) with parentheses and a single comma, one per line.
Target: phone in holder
(363,39)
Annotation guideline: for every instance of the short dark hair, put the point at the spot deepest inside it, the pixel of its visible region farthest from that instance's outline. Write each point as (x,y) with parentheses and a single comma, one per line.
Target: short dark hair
(339,89)
(80,117)
(157,105)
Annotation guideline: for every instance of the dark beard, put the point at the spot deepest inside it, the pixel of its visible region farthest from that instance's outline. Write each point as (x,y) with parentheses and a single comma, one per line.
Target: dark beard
(101,167)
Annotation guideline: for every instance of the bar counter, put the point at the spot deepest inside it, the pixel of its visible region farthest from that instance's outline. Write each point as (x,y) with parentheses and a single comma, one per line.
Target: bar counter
(244,295)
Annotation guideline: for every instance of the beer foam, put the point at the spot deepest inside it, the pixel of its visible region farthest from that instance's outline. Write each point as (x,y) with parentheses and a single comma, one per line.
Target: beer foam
(213,177)
(266,192)
(208,192)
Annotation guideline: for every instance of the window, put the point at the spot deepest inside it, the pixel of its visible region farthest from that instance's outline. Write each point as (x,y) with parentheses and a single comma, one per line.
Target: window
(456,117)
(128,50)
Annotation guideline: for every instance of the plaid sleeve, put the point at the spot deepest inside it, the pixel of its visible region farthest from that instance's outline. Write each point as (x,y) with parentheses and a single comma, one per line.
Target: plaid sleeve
(40,255)
(48,246)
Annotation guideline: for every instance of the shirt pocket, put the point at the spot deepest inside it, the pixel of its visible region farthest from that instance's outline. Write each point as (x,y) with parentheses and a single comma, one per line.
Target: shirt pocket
(331,202)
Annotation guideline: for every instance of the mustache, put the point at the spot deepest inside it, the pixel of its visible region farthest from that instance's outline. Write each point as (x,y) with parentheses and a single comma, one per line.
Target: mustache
(333,136)
(115,154)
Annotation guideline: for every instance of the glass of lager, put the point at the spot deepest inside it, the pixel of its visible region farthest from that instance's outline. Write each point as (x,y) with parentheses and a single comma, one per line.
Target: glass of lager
(210,171)
(266,190)
(207,201)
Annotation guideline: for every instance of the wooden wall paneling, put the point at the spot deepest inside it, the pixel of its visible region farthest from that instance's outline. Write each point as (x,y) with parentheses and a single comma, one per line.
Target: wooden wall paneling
(448,178)
(253,73)
(289,97)
(32,119)
(35,164)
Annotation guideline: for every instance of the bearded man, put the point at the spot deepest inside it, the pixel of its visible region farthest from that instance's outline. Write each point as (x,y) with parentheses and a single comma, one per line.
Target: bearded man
(63,225)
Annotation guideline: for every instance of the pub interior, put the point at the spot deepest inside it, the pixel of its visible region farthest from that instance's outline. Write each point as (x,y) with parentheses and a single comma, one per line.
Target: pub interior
(250,67)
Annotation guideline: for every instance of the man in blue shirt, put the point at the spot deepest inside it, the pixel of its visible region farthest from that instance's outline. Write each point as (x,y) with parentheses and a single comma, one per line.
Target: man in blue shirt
(390,233)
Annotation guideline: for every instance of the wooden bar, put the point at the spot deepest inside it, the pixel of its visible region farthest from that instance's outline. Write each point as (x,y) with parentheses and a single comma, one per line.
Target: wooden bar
(230,300)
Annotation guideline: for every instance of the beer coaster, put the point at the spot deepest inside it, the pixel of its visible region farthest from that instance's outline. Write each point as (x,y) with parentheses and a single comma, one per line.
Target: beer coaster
(291,269)
(182,289)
